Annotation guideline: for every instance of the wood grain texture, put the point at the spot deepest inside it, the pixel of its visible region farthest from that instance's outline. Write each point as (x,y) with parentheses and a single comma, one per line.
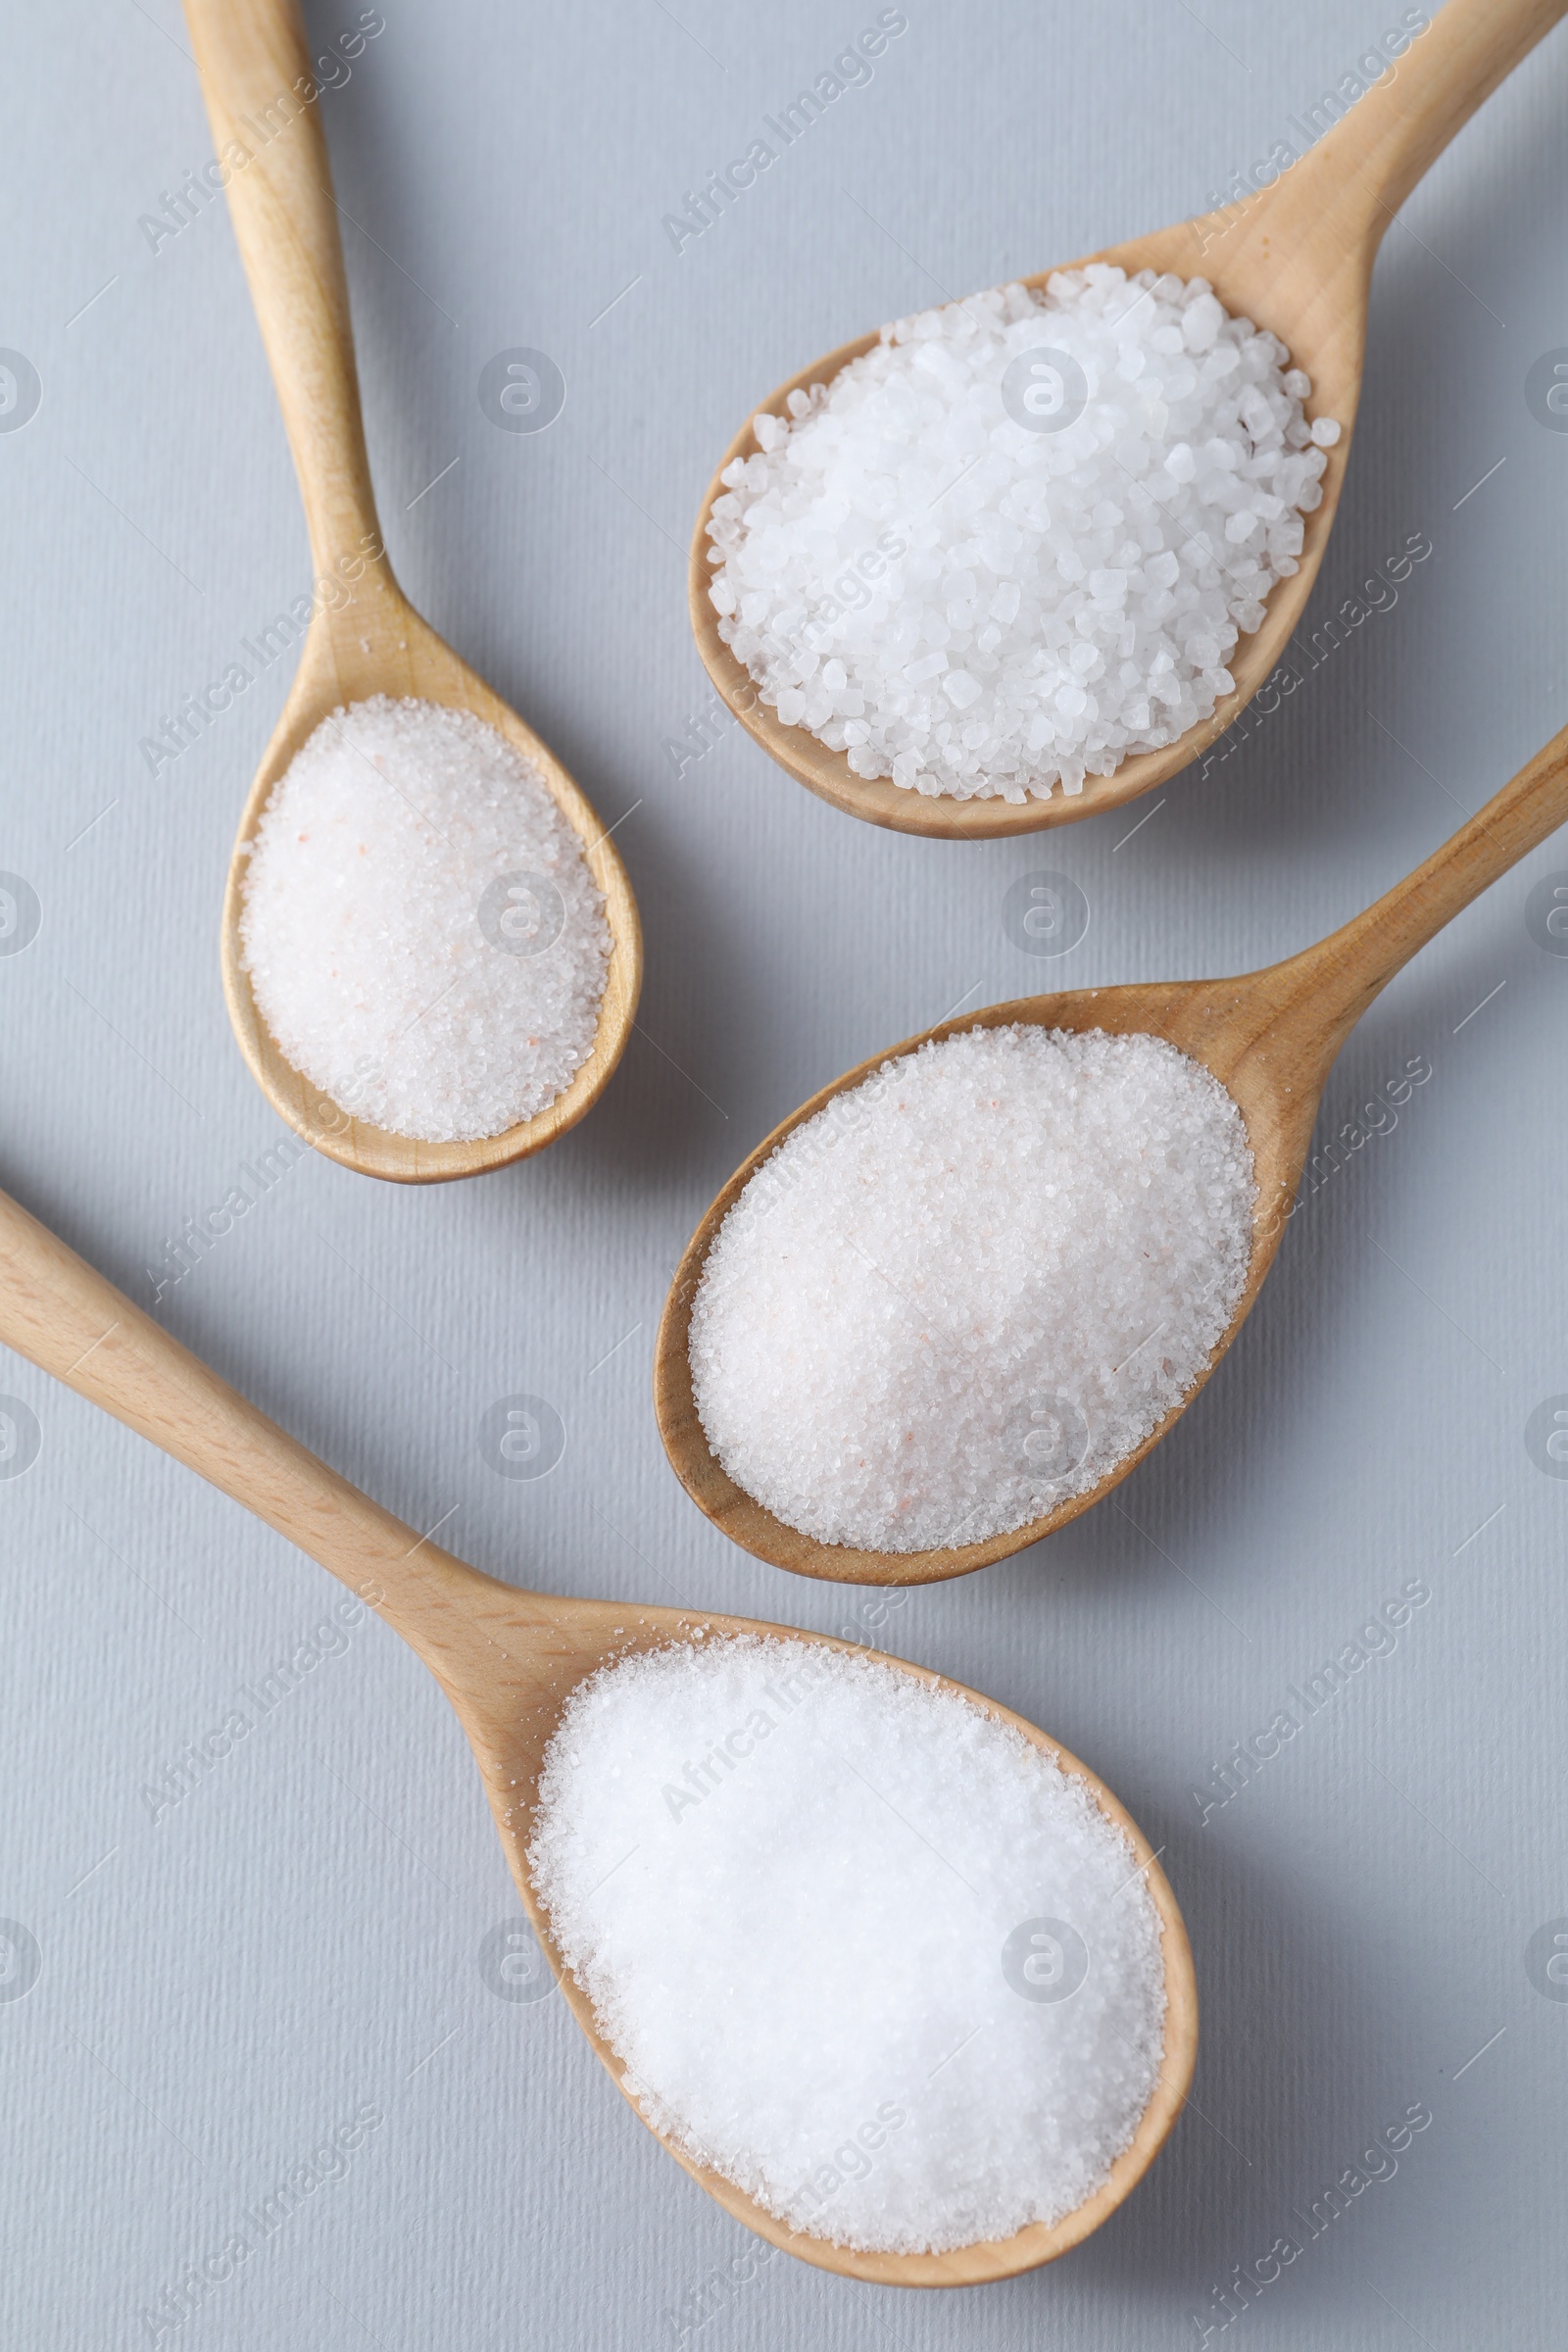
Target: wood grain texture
(507,1660)
(266,116)
(1296,259)
(1270,1038)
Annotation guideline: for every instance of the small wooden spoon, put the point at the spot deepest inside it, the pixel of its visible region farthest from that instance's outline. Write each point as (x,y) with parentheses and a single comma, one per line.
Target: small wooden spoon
(1297,258)
(1270,1037)
(364,636)
(507,1660)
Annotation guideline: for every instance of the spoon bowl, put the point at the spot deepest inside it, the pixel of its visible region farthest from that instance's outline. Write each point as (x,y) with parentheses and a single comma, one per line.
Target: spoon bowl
(364,638)
(380,645)
(507,1662)
(1297,258)
(1270,1038)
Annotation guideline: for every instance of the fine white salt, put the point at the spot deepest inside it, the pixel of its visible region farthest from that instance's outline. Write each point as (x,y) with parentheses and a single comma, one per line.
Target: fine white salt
(967,1288)
(422,934)
(862,1949)
(1015,541)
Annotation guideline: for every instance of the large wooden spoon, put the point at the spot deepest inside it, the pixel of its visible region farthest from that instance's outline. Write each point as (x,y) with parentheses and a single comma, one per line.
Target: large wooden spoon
(507,1660)
(1295,258)
(364,636)
(1270,1037)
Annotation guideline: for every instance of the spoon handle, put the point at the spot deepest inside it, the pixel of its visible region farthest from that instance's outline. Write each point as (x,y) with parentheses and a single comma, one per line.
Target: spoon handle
(265,105)
(1344,972)
(1390,140)
(71,1322)
(1324,211)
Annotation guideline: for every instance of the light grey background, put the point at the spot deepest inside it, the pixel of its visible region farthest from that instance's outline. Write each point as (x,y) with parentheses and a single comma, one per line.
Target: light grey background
(222,1986)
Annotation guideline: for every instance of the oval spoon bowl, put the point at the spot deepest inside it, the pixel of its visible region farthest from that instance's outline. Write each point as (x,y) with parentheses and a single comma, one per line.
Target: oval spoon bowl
(403,656)
(877,799)
(987,2259)
(1198,1016)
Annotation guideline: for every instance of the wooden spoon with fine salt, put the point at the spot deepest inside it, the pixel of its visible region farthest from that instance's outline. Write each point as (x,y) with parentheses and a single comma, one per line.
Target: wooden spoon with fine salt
(364,638)
(1269,1037)
(508,1660)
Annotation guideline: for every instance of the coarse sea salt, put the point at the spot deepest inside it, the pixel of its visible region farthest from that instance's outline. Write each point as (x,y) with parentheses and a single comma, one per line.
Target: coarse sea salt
(985,574)
(863,1950)
(966,1288)
(422,934)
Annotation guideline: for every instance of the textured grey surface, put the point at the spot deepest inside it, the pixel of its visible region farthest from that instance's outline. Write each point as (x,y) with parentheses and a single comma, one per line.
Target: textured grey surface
(221,1987)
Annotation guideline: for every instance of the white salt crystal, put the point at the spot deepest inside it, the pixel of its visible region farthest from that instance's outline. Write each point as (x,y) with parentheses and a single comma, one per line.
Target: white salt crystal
(862,1949)
(966,1288)
(869,529)
(421,928)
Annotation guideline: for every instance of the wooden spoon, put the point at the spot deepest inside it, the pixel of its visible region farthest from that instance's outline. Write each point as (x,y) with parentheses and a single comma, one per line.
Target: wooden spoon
(364,637)
(507,1660)
(1295,258)
(1270,1037)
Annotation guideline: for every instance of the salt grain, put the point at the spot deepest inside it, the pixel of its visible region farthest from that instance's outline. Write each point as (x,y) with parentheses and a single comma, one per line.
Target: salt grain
(863,1950)
(985,574)
(970,1286)
(422,934)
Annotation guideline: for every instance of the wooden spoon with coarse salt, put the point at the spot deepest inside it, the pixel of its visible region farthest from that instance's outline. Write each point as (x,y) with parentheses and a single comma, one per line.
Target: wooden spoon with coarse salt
(1295,258)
